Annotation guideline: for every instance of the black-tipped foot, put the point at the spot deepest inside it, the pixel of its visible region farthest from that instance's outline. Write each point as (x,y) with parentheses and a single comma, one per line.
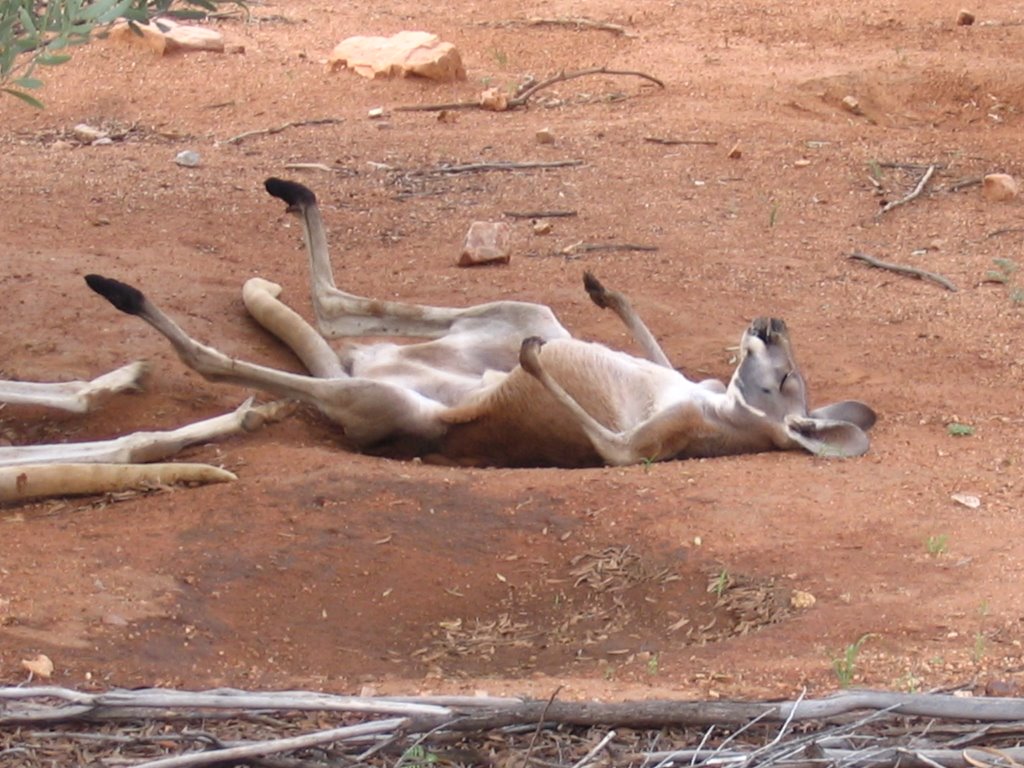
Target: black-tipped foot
(123,296)
(596,290)
(529,354)
(294,194)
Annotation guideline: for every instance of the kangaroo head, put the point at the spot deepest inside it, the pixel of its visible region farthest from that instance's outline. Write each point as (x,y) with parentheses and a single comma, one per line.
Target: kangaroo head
(768,388)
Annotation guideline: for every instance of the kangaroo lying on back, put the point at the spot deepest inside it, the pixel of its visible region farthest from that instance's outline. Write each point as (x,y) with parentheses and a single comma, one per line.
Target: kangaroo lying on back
(505,384)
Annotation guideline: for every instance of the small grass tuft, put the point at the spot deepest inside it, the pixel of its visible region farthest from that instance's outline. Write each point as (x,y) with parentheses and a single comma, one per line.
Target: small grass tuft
(720,583)
(936,545)
(956,429)
(845,665)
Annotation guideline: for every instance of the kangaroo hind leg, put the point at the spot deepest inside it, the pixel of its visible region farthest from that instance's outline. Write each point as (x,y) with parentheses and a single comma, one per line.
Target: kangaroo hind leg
(342,314)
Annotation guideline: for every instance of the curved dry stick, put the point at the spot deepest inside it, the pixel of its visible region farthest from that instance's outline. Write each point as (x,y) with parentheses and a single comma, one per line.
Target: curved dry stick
(921,274)
(561,77)
(917,191)
(521,99)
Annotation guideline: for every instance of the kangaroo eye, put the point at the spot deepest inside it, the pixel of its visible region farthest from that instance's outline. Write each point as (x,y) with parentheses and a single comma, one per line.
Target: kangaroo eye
(790,383)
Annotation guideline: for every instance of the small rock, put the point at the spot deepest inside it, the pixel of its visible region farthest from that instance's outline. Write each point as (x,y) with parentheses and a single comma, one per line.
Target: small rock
(87,134)
(494,99)
(803,162)
(965,18)
(102,141)
(997,187)
(735,153)
(136,35)
(375,113)
(448,116)
(487,242)
(852,105)
(40,666)
(187,158)
(802,600)
(967,500)
(166,36)
(545,136)
(184,38)
(542,227)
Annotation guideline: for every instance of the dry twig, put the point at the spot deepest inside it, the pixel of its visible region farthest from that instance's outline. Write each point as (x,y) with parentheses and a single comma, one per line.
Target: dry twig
(232,755)
(584,247)
(972,181)
(277,129)
(446,170)
(540,214)
(521,98)
(1004,231)
(914,194)
(921,274)
(578,22)
(674,142)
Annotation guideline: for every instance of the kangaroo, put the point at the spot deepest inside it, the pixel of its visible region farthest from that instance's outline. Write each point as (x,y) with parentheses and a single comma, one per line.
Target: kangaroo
(504,383)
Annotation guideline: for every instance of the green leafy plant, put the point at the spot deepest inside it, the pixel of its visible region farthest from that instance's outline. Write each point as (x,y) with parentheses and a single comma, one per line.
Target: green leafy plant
(978,651)
(653,665)
(1004,272)
(980,638)
(719,583)
(936,545)
(35,34)
(417,756)
(875,171)
(956,429)
(845,665)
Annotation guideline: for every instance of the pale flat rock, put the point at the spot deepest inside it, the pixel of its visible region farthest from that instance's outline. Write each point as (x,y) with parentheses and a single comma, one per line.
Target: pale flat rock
(487,242)
(186,38)
(164,36)
(407,53)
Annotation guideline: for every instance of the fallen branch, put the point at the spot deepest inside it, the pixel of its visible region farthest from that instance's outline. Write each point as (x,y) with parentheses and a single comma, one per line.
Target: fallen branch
(910,166)
(445,170)
(310,167)
(972,181)
(584,247)
(917,191)
(1004,231)
(230,755)
(577,21)
(521,98)
(540,214)
(871,729)
(20,705)
(921,274)
(89,706)
(270,131)
(674,142)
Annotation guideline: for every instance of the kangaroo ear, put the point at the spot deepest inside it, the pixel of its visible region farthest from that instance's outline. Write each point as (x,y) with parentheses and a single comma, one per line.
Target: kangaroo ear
(830,438)
(852,411)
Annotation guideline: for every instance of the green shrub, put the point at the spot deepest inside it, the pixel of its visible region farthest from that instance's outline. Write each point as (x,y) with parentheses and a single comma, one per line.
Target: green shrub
(40,34)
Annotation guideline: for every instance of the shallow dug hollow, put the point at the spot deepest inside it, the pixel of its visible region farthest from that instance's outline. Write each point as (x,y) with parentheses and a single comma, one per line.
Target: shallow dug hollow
(738,577)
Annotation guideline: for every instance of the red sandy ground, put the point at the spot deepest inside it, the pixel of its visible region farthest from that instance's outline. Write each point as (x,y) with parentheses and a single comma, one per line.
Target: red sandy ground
(324,569)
